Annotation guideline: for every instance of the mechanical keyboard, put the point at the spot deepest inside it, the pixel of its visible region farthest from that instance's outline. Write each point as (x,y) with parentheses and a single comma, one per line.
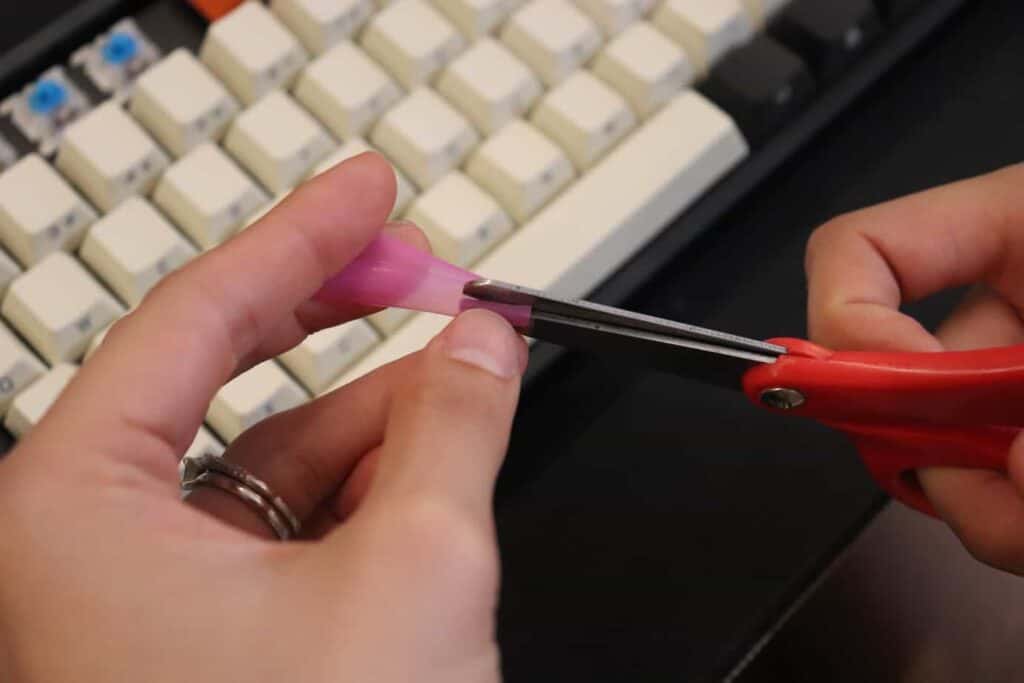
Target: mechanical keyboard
(557,144)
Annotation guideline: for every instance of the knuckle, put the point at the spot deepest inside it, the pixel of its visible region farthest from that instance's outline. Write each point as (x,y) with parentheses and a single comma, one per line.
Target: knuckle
(240,322)
(996,545)
(458,391)
(988,551)
(439,397)
(1012,176)
(843,223)
(173,281)
(175,289)
(115,329)
(828,234)
(438,536)
(829,320)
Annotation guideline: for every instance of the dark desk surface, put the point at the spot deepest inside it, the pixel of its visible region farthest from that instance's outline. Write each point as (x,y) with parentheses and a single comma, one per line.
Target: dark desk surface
(653,529)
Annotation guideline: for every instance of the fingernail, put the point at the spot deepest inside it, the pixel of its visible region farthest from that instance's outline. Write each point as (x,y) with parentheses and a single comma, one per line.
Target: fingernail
(408,232)
(484,340)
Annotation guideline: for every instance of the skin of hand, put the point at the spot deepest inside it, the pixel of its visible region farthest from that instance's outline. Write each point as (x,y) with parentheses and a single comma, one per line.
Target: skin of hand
(107,575)
(863,265)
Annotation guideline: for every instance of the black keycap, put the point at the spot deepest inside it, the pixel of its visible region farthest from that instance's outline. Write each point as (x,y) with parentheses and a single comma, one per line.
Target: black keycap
(828,34)
(762,85)
(894,10)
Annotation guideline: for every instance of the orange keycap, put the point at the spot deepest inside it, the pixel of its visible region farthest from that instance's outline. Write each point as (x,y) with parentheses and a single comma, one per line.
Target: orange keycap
(214,9)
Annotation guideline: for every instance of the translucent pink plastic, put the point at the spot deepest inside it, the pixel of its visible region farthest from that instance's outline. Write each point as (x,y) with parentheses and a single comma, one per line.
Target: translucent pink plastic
(391,274)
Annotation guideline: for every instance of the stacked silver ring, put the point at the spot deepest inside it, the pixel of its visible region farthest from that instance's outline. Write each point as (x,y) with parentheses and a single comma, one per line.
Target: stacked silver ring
(215,472)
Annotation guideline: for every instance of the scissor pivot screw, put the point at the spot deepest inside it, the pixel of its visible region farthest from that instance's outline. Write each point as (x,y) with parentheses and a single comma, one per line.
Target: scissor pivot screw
(782,398)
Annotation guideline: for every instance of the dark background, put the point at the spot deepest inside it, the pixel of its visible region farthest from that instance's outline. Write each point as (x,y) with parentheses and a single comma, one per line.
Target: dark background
(18,19)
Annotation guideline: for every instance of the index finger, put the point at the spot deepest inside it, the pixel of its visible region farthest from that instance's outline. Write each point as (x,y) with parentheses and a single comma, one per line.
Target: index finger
(156,372)
(863,265)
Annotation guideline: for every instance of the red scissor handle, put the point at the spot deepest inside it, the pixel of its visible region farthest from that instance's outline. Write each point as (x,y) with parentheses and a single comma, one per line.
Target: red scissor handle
(905,411)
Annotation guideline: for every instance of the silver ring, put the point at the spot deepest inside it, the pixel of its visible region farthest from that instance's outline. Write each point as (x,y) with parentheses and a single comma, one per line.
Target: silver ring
(215,472)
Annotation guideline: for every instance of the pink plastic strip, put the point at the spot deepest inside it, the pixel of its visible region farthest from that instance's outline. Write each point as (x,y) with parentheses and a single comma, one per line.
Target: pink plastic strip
(391,274)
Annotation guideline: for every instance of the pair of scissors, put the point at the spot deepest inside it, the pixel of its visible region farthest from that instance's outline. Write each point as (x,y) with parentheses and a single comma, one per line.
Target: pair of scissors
(903,411)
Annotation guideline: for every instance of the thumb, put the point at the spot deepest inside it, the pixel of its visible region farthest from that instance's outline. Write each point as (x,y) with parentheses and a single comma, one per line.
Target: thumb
(427,519)
(449,425)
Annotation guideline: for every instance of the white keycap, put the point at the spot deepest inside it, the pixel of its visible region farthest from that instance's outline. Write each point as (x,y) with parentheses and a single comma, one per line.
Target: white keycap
(706,29)
(31,405)
(412,40)
(615,209)
(254,395)
(58,307)
(252,52)
(110,157)
(613,16)
(208,196)
(552,37)
(521,168)
(277,141)
(645,67)
(425,136)
(132,248)
(39,212)
(762,11)
(181,103)
(346,90)
(19,367)
(476,18)
(404,192)
(8,271)
(390,320)
(204,443)
(418,331)
(320,24)
(324,355)
(490,85)
(585,116)
(460,220)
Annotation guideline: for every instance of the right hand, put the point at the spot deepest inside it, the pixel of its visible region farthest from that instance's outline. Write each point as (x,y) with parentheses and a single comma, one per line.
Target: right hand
(863,265)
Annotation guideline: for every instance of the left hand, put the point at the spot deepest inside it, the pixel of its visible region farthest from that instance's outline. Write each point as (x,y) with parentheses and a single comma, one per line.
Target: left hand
(106,575)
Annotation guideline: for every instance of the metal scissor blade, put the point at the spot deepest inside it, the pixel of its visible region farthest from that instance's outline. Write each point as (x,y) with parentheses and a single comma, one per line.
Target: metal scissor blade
(703,354)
